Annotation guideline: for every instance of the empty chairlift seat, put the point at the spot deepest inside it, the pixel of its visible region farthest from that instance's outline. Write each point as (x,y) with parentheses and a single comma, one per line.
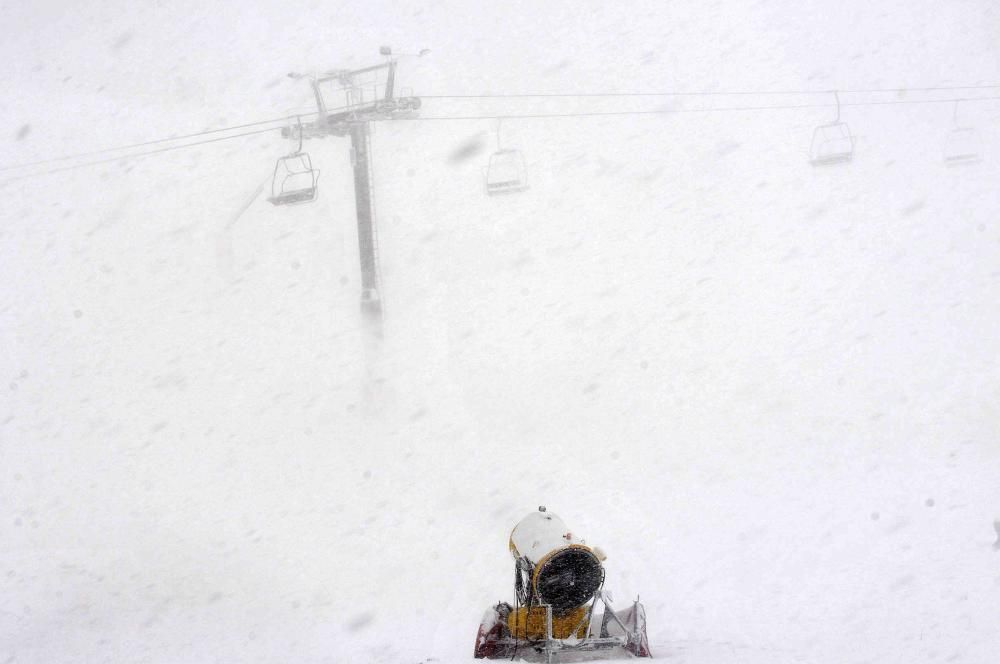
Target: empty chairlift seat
(295,180)
(506,172)
(962,146)
(831,144)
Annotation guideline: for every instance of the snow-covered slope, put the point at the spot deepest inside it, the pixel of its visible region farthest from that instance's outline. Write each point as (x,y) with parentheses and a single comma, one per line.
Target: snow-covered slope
(767,391)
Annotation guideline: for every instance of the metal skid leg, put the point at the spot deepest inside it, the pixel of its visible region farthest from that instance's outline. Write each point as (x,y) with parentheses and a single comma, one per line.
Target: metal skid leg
(549,641)
(626,630)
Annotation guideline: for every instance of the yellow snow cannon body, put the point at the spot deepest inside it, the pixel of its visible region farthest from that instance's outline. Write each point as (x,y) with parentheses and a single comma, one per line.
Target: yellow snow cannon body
(558,583)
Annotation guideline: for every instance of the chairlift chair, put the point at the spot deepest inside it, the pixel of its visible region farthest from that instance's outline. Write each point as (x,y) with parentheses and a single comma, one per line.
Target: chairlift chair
(506,172)
(295,180)
(962,144)
(832,143)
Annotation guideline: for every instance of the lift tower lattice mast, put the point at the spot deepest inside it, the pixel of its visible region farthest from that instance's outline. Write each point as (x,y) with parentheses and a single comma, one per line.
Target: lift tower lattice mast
(347,102)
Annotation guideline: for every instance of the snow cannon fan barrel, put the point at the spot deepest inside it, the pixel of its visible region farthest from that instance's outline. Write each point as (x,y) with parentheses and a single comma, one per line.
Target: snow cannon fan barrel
(562,571)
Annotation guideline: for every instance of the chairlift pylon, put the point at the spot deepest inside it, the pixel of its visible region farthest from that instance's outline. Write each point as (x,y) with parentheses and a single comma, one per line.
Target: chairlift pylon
(832,143)
(295,180)
(962,143)
(506,171)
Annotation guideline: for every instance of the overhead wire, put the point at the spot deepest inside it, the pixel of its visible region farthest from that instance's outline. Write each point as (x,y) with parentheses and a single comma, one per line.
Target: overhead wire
(121,148)
(506,116)
(668,111)
(134,155)
(708,93)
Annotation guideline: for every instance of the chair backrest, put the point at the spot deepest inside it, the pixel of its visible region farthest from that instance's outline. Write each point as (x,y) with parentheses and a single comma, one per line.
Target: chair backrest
(293,172)
(962,145)
(505,166)
(298,181)
(297,163)
(831,142)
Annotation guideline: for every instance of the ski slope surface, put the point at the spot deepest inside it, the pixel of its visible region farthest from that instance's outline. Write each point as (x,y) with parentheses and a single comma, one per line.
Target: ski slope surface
(768,391)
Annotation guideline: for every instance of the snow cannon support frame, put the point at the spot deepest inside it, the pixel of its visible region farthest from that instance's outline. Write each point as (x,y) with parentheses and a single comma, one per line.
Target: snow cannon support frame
(611,629)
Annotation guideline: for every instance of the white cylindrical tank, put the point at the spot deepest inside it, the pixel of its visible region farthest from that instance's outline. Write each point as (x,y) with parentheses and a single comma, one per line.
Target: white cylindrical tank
(537,535)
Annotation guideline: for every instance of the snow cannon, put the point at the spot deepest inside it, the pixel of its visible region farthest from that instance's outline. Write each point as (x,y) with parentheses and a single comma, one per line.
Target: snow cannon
(562,572)
(558,586)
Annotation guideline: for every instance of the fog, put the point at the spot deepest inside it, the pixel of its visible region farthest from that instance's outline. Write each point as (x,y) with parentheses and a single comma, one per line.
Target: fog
(767,389)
